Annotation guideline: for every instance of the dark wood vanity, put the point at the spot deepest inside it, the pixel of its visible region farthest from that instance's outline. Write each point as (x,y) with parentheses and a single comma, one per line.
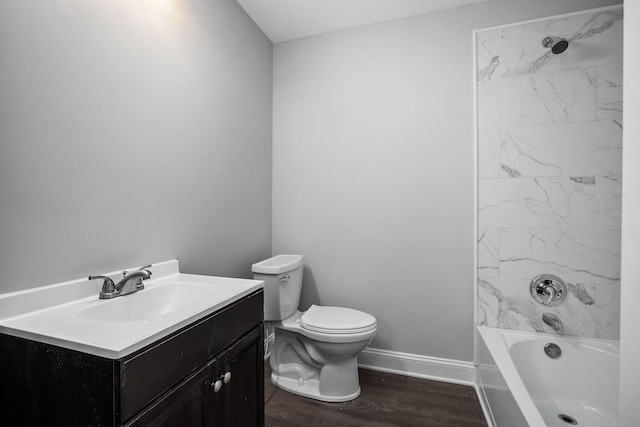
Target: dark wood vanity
(209,373)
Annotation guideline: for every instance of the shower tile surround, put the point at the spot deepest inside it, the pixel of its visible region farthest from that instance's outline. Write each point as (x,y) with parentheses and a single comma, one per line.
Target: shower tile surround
(549,171)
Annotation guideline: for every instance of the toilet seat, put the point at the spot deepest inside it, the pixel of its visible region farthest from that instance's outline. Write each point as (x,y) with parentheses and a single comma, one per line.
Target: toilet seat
(337,320)
(294,324)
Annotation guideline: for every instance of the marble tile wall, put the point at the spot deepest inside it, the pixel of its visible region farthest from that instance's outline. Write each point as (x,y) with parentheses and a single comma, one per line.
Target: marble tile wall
(549,171)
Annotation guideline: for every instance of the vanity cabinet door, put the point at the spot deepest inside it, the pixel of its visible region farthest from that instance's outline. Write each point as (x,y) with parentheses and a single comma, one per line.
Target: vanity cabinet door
(145,376)
(236,401)
(187,404)
(240,401)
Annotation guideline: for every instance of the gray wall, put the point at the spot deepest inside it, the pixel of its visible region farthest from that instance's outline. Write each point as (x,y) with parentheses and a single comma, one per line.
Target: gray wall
(132,132)
(373,169)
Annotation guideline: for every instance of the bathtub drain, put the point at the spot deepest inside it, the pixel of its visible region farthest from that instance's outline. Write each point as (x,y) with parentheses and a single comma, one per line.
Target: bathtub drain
(552,350)
(567,419)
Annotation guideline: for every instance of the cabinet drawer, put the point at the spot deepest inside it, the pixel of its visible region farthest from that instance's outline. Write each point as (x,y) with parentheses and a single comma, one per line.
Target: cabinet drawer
(151,372)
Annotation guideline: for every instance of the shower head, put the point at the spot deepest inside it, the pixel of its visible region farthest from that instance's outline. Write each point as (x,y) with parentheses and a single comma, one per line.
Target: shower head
(557,44)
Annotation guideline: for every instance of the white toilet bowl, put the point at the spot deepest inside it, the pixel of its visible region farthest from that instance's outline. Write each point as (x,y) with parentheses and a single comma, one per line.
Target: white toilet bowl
(320,364)
(314,353)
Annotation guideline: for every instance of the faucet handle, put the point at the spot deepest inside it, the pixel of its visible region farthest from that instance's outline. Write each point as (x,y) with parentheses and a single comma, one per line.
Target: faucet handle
(140,285)
(108,287)
(550,291)
(146,269)
(107,280)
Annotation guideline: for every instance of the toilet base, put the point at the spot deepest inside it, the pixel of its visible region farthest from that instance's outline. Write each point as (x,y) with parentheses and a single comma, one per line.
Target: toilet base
(308,388)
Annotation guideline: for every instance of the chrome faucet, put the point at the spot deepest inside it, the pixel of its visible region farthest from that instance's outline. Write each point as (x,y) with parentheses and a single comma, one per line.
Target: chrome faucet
(553,321)
(129,283)
(548,289)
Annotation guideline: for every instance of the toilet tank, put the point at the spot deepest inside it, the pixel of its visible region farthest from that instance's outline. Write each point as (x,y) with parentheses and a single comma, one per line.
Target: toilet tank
(282,275)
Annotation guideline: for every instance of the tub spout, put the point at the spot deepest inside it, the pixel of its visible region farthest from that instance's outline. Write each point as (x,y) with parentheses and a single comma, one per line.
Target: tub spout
(553,321)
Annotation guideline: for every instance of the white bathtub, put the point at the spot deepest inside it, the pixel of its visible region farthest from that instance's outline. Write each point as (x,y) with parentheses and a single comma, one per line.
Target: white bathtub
(522,386)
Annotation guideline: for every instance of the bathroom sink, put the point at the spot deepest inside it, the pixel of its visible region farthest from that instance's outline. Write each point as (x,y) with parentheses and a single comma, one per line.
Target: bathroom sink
(71,315)
(151,302)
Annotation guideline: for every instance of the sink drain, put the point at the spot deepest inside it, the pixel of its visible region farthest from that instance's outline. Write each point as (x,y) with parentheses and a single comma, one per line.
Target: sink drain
(567,419)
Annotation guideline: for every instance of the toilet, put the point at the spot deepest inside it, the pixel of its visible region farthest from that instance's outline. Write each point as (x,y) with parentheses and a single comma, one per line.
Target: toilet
(314,353)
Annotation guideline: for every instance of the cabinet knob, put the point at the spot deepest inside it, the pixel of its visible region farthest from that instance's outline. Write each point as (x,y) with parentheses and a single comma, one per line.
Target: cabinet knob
(217,386)
(227,377)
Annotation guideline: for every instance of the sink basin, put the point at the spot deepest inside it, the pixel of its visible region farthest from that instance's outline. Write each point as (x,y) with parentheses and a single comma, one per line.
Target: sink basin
(149,303)
(71,315)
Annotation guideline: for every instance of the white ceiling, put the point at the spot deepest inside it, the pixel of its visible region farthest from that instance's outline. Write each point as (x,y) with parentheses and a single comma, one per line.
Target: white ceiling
(283,20)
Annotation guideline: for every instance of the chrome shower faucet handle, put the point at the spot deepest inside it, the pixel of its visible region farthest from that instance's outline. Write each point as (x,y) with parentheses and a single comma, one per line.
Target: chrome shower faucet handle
(548,289)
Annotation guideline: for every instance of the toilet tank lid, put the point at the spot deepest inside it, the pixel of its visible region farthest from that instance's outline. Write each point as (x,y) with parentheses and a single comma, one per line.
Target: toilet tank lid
(278,264)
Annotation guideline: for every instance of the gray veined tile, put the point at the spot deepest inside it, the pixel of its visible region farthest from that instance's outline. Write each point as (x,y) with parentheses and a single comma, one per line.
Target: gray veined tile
(588,180)
(584,293)
(536,203)
(594,38)
(577,311)
(507,303)
(607,312)
(489,252)
(609,90)
(489,153)
(539,99)
(576,256)
(488,54)
(609,202)
(502,304)
(568,149)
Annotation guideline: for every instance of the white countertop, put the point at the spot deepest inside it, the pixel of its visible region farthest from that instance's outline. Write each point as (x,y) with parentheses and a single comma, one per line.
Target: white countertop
(64,316)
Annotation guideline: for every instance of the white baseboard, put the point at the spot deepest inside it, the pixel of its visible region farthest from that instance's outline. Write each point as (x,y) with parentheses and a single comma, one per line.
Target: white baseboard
(413,365)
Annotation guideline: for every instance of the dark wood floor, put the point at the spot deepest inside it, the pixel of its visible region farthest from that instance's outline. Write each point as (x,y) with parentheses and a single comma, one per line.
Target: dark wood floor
(386,400)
